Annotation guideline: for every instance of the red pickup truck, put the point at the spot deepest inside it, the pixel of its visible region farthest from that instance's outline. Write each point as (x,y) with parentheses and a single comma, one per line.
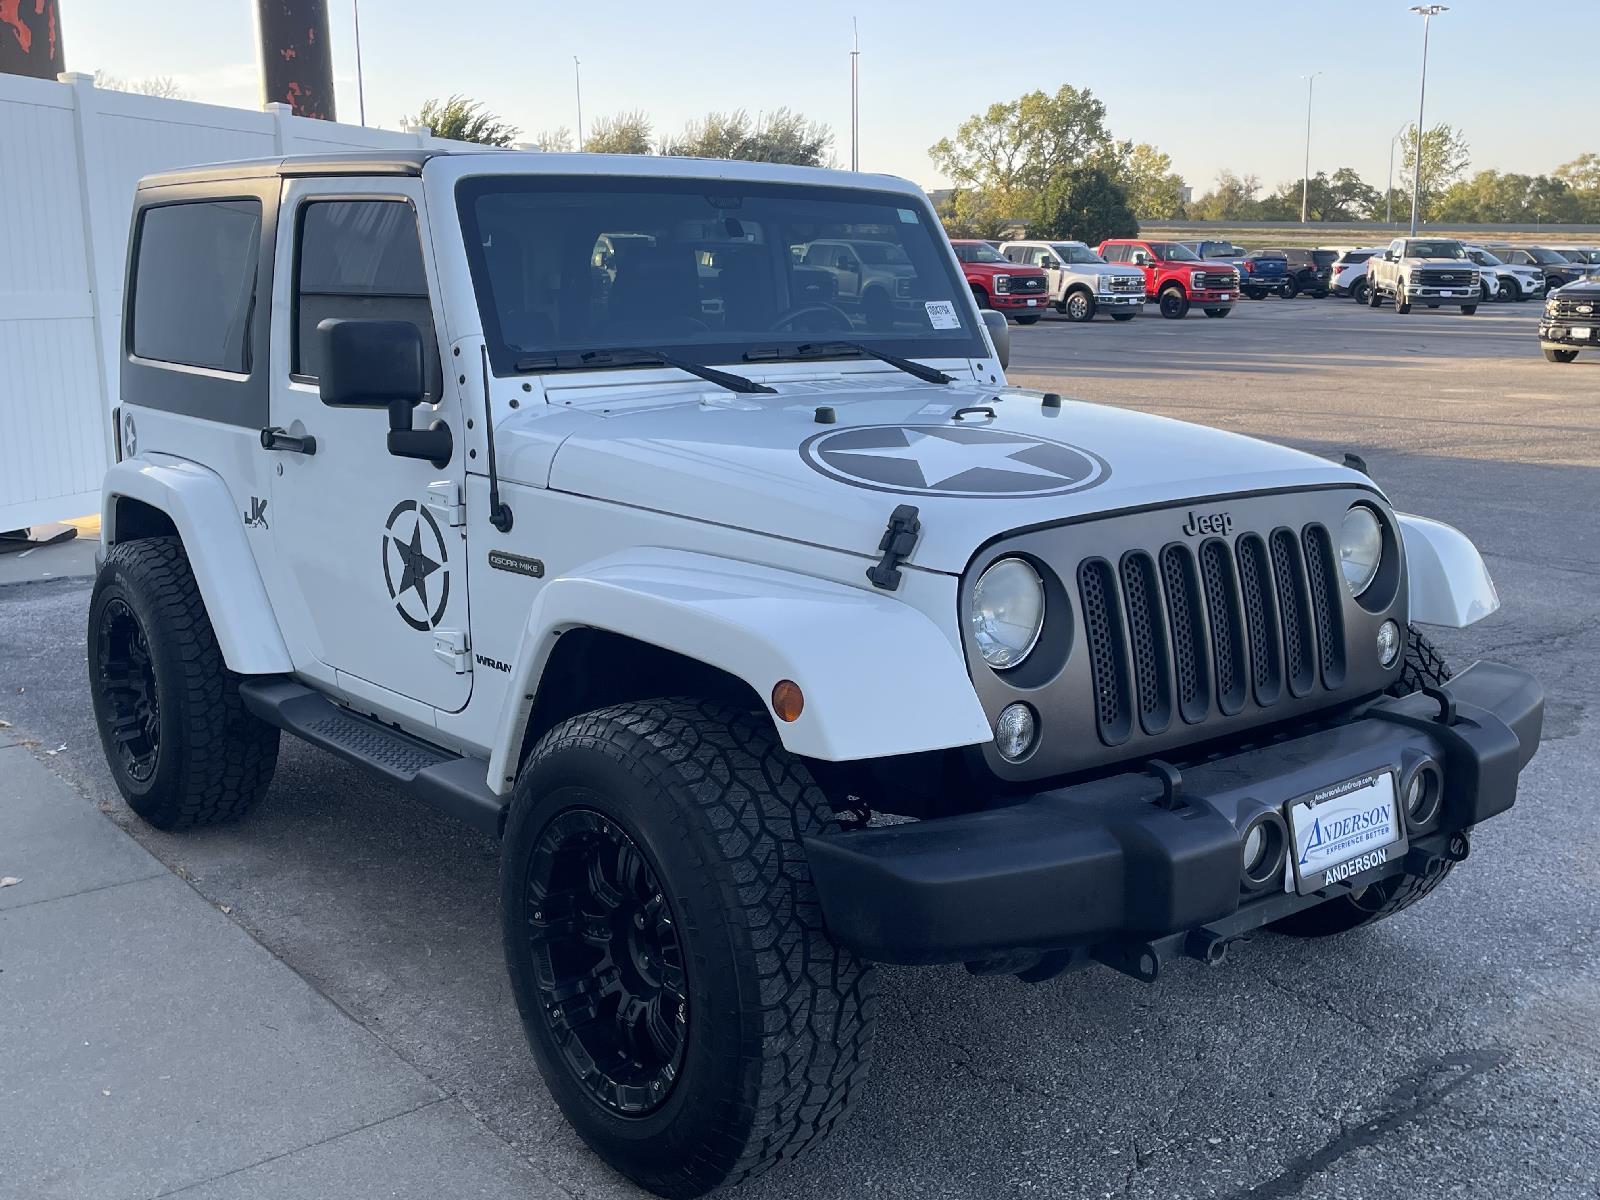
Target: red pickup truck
(998,283)
(1177,277)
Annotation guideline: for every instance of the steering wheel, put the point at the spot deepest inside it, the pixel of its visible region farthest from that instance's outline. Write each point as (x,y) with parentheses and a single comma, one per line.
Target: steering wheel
(838,318)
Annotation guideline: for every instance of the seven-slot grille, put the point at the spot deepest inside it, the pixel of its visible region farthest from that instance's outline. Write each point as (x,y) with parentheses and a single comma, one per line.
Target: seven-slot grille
(1127,283)
(1184,634)
(1216,280)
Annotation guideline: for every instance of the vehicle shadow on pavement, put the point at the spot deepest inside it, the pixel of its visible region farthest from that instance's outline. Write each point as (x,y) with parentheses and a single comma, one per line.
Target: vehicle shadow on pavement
(1447,1037)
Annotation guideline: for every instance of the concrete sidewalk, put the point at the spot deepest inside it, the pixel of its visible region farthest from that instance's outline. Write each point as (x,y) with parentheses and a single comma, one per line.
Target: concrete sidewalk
(150,1047)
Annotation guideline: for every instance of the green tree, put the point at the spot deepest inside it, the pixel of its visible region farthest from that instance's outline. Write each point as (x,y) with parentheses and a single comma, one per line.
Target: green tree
(625,133)
(1011,154)
(1086,203)
(1445,158)
(781,136)
(1232,199)
(464,121)
(1350,198)
(1582,174)
(1154,189)
(554,141)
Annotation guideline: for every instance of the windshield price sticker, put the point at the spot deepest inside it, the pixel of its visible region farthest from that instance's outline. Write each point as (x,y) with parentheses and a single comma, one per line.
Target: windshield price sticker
(907,215)
(942,314)
(1345,829)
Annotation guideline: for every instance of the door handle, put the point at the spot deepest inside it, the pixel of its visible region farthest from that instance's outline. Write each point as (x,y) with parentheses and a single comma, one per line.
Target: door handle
(274,437)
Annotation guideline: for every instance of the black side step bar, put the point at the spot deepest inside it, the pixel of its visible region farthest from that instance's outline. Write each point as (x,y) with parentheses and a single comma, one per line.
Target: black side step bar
(451,783)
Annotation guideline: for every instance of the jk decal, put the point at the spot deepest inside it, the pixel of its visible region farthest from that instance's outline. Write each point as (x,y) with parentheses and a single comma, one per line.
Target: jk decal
(945,460)
(416,566)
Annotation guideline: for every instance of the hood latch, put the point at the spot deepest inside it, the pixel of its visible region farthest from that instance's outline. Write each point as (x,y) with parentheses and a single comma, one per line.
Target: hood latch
(896,545)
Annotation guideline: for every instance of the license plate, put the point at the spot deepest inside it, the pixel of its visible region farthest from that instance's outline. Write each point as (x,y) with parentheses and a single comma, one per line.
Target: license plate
(1225,296)
(1580,331)
(1032,303)
(1340,831)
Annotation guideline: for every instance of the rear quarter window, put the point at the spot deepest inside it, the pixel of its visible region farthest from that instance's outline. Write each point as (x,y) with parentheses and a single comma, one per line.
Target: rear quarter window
(194,281)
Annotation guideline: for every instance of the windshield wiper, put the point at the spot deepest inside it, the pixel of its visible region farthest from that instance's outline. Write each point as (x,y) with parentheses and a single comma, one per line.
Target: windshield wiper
(641,358)
(834,350)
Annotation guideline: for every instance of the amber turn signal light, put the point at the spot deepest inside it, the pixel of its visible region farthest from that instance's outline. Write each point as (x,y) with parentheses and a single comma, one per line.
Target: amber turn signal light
(787,700)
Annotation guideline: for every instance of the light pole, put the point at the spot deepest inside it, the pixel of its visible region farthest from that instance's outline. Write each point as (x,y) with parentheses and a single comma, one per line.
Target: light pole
(577,83)
(1305,181)
(1388,192)
(1427,12)
(855,96)
(361,87)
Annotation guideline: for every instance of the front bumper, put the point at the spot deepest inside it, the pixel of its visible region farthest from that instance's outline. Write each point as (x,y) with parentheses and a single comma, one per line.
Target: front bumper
(1115,300)
(1126,870)
(1561,333)
(1212,299)
(1007,302)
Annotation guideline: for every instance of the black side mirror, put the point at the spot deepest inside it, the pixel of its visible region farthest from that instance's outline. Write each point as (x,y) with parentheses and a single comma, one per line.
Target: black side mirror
(1048,263)
(1000,334)
(370,364)
(379,364)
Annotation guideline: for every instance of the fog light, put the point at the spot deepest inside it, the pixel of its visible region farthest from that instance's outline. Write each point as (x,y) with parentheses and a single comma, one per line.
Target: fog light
(1255,844)
(1388,643)
(1423,795)
(1261,857)
(1014,731)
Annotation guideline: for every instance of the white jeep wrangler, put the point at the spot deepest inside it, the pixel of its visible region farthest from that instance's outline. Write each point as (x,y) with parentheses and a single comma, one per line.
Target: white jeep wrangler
(691,583)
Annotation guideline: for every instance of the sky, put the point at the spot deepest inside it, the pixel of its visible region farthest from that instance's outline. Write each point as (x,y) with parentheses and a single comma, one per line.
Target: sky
(1214,83)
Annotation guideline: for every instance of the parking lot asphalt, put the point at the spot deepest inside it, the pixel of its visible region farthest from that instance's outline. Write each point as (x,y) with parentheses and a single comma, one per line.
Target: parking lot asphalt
(1451,1051)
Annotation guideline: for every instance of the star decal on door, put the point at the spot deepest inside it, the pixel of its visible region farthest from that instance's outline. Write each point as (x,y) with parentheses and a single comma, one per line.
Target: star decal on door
(413,548)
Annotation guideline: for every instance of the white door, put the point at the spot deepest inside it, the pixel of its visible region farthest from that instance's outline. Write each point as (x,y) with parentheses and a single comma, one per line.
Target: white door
(370,579)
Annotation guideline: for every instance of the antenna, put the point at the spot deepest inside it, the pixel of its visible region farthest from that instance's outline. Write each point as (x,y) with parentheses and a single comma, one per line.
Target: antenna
(577,84)
(855,95)
(499,514)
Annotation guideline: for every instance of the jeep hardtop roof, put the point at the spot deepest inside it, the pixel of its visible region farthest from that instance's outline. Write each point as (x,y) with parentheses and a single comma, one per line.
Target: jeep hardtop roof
(495,161)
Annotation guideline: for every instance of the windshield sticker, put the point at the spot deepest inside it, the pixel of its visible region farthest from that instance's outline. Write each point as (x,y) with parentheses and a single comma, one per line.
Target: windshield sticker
(942,314)
(908,216)
(948,460)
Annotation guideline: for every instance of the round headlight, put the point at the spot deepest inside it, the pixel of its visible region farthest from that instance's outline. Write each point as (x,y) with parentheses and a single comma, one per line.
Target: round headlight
(1360,548)
(1007,612)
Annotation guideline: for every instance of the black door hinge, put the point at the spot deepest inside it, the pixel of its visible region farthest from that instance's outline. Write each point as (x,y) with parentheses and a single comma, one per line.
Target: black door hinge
(896,545)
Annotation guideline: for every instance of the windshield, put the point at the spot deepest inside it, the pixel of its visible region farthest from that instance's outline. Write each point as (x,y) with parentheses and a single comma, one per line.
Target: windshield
(1435,250)
(1075,254)
(707,269)
(973,252)
(1483,258)
(1545,258)
(1173,252)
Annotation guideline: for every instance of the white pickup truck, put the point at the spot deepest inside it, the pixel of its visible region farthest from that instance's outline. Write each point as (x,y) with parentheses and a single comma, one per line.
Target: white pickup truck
(1081,282)
(1427,271)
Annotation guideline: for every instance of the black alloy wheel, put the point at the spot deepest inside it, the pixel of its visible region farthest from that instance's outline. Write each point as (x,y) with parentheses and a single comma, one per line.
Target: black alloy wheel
(608,962)
(1174,304)
(132,701)
(1358,291)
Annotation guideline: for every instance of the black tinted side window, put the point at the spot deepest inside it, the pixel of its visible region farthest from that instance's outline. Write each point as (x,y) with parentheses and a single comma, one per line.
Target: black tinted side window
(358,259)
(194,281)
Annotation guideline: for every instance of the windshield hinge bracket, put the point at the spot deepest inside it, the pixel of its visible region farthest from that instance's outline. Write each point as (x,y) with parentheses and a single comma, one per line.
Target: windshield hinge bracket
(896,545)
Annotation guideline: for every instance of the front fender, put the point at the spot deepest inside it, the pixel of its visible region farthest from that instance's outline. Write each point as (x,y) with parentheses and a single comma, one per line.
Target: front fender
(201,507)
(1450,584)
(878,676)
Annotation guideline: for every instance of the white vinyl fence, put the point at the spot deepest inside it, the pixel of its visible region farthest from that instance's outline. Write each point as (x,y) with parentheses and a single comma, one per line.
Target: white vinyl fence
(70,156)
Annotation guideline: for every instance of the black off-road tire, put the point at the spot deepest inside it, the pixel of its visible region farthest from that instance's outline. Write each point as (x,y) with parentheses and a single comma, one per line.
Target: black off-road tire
(1290,289)
(1559,356)
(1172,303)
(1374,297)
(1254,294)
(1358,291)
(778,1020)
(1029,319)
(1218,312)
(1123,316)
(213,758)
(1424,666)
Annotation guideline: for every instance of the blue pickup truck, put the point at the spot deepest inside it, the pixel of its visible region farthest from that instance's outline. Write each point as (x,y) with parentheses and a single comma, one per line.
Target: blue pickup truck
(1265,272)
